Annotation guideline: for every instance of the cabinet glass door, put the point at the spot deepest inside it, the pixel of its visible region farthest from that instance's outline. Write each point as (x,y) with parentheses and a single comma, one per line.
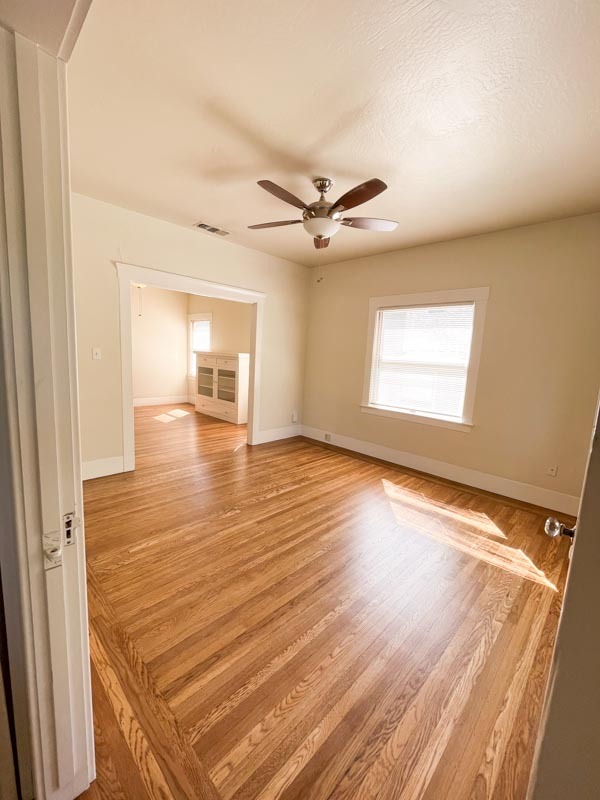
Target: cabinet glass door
(205,381)
(226,385)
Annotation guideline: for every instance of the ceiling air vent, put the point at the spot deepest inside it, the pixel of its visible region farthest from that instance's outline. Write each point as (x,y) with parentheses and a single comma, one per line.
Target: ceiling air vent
(211,229)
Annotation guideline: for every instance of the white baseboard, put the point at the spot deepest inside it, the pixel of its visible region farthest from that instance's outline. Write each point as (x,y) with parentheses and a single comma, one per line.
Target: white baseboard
(537,495)
(101,467)
(262,437)
(161,401)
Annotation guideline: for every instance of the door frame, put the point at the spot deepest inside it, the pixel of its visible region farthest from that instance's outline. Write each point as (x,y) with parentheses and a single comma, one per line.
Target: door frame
(129,274)
(566,756)
(44,582)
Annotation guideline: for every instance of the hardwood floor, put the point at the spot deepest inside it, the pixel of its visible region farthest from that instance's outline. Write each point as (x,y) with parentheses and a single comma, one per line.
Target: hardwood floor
(289,621)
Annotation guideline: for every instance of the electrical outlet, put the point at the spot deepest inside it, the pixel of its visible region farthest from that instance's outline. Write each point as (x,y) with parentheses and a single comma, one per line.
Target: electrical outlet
(96,354)
(552,470)
(294,416)
(327,437)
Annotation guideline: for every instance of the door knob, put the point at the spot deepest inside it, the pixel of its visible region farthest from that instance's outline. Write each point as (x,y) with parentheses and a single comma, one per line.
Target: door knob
(554,528)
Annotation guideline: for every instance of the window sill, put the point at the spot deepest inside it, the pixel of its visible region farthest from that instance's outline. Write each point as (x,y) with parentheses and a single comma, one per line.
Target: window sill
(422,419)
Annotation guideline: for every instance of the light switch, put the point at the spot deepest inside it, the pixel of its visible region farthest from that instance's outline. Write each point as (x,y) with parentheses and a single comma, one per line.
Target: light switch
(96,353)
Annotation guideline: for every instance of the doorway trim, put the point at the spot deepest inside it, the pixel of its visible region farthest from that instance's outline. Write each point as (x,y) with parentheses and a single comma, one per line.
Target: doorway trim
(131,273)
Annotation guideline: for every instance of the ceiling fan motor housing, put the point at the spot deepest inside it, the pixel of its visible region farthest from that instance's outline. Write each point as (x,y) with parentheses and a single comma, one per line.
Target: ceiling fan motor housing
(320,208)
(322,185)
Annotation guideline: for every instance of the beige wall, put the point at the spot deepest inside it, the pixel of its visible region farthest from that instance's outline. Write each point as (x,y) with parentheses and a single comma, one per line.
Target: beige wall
(104,234)
(158,343)
(540,364)
(231,322)
(160,338)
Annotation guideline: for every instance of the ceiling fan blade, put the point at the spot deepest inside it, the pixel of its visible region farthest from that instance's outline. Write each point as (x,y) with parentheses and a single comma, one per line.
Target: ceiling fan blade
(282,194)
(275,224)
(370,223)
(359,195)
(321,244)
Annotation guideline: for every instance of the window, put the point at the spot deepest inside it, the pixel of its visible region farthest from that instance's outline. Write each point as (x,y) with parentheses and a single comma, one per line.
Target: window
(198,337)
(425,354)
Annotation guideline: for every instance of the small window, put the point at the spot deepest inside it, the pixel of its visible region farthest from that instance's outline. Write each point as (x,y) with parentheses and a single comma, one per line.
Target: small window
(199,337)
(425,355)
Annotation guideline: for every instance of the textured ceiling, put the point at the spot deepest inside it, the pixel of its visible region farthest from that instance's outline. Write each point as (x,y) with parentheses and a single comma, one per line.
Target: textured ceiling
(479,115)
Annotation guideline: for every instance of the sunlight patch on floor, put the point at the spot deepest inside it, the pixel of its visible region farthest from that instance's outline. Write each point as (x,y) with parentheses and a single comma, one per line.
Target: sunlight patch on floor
(178,412)
(461,529)
(171,416)
(466,516)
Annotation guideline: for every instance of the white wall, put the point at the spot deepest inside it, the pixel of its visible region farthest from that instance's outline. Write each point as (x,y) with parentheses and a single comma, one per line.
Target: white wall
(104,234)
(540,364)
(231,327)
(159,328)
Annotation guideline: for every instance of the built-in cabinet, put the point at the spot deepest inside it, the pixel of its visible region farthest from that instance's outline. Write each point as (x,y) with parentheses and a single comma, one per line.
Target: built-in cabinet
(222,385)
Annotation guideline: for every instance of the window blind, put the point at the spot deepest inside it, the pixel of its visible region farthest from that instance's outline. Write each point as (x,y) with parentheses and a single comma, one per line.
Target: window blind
(200,340)
(421,358)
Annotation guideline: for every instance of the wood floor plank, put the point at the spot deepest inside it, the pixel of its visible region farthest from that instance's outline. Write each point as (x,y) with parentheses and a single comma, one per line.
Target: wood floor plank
(290,621)
(370,629)
(118,775)
(163,757)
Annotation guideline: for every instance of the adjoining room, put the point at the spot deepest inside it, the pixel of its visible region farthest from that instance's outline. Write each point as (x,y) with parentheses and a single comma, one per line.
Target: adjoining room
(190,354)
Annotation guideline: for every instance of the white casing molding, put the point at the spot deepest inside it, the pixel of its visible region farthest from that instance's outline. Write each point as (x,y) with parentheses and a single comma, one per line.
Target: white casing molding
(101,467)
(537,495)
(160,401)
(130,273)
(39,378)
(479,298)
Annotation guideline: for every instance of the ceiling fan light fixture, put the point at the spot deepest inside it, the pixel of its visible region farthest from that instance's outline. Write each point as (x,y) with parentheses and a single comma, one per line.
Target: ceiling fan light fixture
(321,227)
(322,219)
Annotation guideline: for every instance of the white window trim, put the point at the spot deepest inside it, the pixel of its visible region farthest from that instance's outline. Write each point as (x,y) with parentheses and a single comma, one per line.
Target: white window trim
(205,316)
(477,296)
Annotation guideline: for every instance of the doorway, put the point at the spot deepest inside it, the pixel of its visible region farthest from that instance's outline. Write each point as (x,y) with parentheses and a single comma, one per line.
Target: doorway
(131,276)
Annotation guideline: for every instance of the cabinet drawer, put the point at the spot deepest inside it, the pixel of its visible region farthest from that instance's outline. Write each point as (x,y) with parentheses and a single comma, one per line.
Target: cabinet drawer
(229,413)
(206,404)
(230,363)
(215,409)
(206,361)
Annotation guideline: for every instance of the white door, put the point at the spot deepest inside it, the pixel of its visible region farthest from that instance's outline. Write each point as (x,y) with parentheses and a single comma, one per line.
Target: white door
(568,763)
(40,383)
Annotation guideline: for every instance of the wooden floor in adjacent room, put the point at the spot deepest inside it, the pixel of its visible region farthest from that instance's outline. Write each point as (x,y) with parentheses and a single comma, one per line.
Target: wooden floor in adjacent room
(288,621)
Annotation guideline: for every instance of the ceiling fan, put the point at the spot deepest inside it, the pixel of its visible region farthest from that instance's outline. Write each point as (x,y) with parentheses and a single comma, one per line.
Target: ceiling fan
(321,219)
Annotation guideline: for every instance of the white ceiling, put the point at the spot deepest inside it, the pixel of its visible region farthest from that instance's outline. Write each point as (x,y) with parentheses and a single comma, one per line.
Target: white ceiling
(478,114)
(53,24)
